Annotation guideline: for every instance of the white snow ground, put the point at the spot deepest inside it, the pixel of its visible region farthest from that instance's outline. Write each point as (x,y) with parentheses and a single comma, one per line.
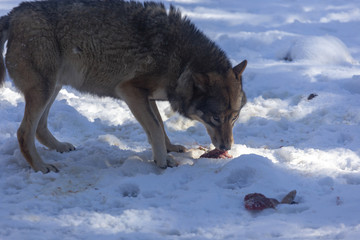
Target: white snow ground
(108,188)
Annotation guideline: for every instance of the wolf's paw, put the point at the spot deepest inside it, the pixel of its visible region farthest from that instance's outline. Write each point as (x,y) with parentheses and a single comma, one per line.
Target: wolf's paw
(175,148)
(170,162)
(64,147)
(45,168)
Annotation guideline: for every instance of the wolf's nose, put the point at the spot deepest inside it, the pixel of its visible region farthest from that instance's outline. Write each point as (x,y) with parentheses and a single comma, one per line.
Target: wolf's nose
(224,148)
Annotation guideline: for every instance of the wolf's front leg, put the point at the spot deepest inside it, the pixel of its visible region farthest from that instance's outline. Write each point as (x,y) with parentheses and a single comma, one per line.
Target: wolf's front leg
(139,104)
(169,146)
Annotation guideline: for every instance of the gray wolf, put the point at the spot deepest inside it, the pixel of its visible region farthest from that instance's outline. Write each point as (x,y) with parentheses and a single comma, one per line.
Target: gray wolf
(137,52)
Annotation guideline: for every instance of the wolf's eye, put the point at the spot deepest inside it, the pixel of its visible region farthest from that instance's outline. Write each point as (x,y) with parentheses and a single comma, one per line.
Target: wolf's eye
(215,120)
(235,118)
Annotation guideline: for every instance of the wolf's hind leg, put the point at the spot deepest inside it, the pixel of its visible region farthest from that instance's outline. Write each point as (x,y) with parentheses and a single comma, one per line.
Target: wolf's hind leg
(44,135)
(36,101)
(169,146)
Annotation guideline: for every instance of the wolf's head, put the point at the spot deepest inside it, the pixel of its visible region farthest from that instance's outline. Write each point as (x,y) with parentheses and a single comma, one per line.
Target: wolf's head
(215,100)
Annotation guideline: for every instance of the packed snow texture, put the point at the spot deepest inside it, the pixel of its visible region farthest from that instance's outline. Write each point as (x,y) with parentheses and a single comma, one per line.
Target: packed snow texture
(299,130)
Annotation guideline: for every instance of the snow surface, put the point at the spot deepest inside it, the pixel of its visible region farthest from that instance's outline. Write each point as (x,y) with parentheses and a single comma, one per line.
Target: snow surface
(109,189)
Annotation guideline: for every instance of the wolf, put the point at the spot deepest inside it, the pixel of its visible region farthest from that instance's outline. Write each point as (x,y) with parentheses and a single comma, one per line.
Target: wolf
(137,52)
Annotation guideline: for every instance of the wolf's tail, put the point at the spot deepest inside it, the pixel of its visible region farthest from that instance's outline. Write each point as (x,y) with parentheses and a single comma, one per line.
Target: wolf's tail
(4,26)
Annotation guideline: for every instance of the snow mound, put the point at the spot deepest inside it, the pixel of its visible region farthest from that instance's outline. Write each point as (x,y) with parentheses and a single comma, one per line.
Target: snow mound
(319,49)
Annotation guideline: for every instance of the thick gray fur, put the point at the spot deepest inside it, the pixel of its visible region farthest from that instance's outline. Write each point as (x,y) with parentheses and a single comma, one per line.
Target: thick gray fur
(137,52)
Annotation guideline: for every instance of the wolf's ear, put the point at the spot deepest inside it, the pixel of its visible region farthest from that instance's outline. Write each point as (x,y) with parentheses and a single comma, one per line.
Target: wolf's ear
(239,69)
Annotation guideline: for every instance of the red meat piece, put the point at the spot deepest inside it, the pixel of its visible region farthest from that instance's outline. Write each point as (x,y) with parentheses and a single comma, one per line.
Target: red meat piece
(257,201)
(216,153)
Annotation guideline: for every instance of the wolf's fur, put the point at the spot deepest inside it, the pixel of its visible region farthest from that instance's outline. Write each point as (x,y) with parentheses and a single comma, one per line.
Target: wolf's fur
(137,52)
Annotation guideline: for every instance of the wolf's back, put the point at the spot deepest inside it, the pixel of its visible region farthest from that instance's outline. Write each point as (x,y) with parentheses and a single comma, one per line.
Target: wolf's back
(116,36)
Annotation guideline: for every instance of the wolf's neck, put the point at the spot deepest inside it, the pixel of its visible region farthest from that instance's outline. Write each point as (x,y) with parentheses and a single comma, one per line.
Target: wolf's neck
(198,52)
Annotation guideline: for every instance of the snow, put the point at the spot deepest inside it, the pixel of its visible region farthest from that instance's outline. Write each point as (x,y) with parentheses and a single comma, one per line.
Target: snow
(110,189)
(316,49)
